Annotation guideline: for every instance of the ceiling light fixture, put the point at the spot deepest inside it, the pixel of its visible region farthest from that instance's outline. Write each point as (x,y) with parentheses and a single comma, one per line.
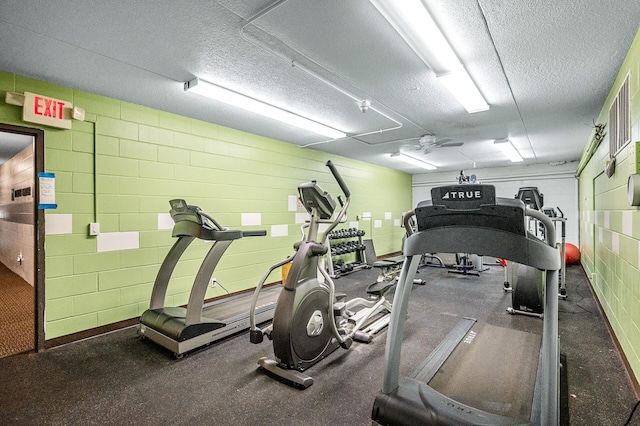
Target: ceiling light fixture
(508,149)
(230,97)
(462,87)
(418,29)
(413,161)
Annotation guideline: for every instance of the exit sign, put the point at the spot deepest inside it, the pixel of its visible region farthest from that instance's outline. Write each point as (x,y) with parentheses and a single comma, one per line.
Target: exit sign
(45,110)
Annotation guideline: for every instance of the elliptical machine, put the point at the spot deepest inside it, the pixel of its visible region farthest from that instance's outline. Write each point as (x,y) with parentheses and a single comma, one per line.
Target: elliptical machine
(310,322)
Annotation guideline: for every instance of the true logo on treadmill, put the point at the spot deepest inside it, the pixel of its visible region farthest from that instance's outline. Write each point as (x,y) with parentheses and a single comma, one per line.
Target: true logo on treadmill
(463,195)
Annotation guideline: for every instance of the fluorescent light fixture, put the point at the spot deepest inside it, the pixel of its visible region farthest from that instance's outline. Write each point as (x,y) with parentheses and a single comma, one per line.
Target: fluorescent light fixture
(418,29)
(461,86)
(508,149)
(412,21)
(230,97)
(413,161)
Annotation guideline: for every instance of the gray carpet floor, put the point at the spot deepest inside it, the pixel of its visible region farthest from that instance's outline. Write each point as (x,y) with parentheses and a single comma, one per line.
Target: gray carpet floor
(118,378)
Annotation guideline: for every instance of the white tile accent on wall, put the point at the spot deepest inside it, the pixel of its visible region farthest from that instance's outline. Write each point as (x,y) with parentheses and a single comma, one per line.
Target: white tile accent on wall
(615,243)
(302,217)
(249,219)
(377,223)
(165,221)
(292,203)
(607,219)
(56,224)
(279,230)
(111,241)
(627,223)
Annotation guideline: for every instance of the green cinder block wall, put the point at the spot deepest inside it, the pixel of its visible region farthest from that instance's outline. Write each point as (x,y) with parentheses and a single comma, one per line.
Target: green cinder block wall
(143,158)
(609,227)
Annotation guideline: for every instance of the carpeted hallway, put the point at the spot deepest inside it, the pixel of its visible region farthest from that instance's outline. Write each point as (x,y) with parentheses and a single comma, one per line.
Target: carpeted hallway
(16,314)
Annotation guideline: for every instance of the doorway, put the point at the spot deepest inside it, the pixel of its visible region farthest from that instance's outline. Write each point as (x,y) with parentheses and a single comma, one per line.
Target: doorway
(21,241)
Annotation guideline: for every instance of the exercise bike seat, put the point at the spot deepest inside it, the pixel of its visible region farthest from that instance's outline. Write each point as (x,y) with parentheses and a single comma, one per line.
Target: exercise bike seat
(380,288)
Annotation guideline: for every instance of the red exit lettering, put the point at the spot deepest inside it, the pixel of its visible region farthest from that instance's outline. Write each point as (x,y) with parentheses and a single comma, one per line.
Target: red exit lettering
(48,107)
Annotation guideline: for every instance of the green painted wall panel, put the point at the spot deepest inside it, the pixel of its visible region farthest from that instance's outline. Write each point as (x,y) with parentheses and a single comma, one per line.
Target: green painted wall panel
(156,135)
(140,257)
(71,325)
(156,170)
(95,262)
(138,150)
(68,161)
(82,142)
(60,140)
(58,245)
(139,114)
(146,157)
(107,145)
(108,222)
(116,166)
(116,128)
(138,222)
(121,313)
(58,266)
(172,155)
(81,183)
(97,104)
(206,130)
(613,271)
(94,302)
(190,142)
(108,280)
(175,122)
(74,203)
(136,293)
(86,126)
(59,308)
(108,184)
(64,182)
(11,115)
(71,285)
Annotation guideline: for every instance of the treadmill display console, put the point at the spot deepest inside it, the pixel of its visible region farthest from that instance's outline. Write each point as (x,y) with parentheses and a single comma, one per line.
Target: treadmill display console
(463,197)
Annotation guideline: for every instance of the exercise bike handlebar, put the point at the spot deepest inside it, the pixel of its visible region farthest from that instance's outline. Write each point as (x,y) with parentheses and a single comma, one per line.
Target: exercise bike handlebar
(338,178)
(341,217)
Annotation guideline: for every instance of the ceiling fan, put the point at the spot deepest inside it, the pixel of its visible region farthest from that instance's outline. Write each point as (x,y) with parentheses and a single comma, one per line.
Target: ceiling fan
(428,143)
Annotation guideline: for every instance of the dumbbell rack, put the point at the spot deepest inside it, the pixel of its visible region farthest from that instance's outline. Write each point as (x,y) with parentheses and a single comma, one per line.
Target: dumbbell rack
(345,241)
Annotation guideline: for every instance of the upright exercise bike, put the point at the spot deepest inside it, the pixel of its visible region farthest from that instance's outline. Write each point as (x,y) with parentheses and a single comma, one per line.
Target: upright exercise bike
(310,321)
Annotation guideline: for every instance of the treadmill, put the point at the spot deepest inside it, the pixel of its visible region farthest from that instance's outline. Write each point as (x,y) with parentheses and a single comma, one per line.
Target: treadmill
(179,329)
(470,218)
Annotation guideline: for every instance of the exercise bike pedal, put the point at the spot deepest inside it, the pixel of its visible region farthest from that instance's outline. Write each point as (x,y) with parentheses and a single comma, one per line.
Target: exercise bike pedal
(346,343)
(256,336)
(362,337)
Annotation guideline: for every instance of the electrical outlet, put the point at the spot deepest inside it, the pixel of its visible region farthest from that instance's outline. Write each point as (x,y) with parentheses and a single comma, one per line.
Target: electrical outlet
(214,283)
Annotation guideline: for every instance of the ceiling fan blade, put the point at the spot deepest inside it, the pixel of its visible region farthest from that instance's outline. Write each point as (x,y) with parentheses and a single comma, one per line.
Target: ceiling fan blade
(442,141)
(450,144)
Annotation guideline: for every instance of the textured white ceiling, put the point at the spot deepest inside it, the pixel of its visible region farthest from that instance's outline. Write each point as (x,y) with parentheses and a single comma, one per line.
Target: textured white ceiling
(545,67)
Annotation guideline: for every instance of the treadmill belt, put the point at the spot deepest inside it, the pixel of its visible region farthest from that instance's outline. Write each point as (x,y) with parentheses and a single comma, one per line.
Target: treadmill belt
(493,370)
(239,305)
